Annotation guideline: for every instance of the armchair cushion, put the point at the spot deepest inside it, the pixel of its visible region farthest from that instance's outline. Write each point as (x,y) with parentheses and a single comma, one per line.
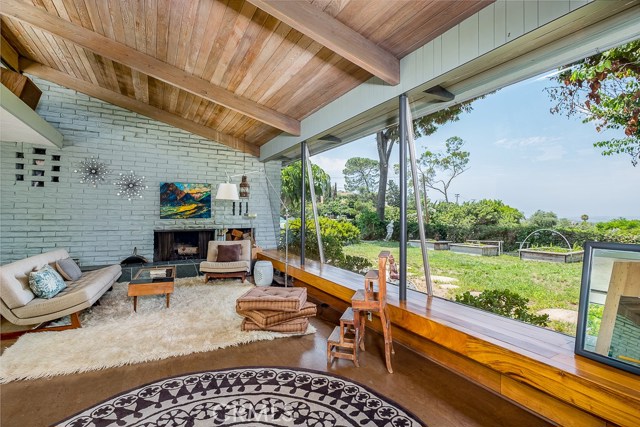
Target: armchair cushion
(225,267)
(229,253)
(212,250)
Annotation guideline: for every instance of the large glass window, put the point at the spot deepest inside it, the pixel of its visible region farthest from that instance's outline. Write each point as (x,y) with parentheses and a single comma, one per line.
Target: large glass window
(515,183)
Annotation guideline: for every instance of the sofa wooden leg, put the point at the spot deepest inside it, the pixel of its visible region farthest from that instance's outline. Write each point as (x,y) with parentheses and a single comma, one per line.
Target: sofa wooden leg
(75,324)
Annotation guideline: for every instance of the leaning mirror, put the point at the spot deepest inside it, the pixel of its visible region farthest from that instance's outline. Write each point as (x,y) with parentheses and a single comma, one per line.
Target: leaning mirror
(609,313)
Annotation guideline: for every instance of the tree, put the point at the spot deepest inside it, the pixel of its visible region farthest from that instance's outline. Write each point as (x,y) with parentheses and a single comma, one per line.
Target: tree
(440,169)
(605,89)
(584,217)
(423,126)
(543,219)
(484,212)
(393,194)
(361,175)
(292,177)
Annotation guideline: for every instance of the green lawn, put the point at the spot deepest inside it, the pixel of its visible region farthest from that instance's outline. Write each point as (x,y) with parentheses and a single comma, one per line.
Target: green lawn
(545,284)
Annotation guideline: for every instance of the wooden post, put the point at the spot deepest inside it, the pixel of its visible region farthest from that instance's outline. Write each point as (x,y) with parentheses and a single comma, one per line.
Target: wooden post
(624,282)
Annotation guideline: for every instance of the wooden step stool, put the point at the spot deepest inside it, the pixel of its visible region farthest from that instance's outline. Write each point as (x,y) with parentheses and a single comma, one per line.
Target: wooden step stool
(342,343)
(347,339)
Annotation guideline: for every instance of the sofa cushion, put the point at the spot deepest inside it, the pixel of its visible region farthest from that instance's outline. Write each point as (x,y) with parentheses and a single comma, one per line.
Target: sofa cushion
(229,253)
(46,282)
(224,267)
(89,288)
(273,298)
(68,269)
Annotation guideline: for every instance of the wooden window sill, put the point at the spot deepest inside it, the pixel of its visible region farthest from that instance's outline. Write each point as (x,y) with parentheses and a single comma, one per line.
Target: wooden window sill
(502,354)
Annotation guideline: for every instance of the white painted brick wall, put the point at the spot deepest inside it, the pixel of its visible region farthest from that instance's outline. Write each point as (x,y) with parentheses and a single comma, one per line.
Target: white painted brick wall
(96,225)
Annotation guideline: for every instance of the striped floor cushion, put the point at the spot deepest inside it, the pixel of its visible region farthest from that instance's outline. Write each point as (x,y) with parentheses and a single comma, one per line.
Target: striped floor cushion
(295,326)
(265,318)
(272,298)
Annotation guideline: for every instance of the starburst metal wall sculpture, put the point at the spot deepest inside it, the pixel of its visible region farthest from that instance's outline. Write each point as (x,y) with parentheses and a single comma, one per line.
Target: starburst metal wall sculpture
(92,171)
(130,186)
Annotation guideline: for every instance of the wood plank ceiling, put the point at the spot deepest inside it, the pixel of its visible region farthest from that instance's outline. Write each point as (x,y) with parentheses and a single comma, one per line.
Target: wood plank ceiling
(231,70)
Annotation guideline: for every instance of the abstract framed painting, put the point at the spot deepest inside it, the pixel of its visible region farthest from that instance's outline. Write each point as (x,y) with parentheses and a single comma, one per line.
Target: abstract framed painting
(180,200)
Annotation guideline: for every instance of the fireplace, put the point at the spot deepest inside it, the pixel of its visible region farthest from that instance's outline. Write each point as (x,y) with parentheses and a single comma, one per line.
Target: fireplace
(170,245)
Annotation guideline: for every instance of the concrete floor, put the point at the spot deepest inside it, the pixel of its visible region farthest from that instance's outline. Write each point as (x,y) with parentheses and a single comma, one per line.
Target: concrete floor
(437,396)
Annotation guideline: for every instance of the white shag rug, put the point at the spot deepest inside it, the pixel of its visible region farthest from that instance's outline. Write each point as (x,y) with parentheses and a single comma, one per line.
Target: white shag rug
(201,318)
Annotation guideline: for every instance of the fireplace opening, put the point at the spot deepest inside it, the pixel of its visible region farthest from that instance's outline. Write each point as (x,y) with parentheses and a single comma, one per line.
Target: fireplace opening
(170,245)
(186,245)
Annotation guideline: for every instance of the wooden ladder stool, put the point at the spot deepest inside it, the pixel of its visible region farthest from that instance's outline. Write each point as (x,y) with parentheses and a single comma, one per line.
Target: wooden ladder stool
(342,341)
(368,300)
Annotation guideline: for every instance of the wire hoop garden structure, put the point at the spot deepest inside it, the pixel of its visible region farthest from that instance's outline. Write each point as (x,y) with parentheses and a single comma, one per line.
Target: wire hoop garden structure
(548,255)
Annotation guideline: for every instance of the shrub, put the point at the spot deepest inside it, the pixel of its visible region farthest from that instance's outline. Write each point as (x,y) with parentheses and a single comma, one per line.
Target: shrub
(342,207)
(357,264)
(505,303)
(512,235)
(335,234)
(343,231)
(370,226)
(622,225)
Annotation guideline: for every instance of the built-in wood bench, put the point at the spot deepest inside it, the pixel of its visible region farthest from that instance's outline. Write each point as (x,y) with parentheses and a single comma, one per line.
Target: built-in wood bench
(533,367)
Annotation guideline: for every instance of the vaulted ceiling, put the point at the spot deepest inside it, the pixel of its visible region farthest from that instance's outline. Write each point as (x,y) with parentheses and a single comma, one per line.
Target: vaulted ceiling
(238,72)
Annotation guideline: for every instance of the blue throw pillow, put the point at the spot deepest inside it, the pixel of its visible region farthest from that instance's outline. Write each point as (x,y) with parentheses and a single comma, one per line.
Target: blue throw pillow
(46,282)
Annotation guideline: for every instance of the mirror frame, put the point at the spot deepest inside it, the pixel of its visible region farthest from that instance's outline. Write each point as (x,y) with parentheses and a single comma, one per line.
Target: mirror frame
(583,307)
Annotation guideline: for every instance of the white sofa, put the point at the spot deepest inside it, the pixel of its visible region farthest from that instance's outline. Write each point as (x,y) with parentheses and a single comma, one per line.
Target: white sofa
(21,307)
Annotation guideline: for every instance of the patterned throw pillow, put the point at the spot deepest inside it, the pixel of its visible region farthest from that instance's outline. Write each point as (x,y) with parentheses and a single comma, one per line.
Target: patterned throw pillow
(46,282)
(68,269)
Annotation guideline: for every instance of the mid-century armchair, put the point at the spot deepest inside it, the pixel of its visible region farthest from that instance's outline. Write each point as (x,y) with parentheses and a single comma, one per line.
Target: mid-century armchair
(227,259)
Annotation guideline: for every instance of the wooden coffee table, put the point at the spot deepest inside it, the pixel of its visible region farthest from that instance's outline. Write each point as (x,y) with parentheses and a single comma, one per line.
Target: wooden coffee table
(144,283)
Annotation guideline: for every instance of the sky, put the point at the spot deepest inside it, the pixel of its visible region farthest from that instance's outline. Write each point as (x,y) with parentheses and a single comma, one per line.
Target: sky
(525,156)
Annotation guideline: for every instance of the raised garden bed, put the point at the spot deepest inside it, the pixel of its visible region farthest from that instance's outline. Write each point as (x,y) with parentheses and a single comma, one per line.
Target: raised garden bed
(474,249)
(436,245)
(499,243)
(567,256)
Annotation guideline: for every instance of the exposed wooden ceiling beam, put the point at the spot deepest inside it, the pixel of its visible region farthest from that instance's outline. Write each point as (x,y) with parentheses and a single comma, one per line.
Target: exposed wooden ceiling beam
(136,106)
(147,64)
(334,35)
(9,55)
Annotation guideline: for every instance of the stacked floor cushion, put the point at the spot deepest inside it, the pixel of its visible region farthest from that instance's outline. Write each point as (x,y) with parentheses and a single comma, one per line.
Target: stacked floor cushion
(275,309)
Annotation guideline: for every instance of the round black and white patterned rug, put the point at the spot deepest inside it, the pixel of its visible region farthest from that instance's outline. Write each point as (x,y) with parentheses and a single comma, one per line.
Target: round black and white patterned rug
(247,396)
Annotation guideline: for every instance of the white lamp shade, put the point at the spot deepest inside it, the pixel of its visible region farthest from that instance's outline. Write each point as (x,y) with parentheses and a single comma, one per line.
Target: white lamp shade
(227,191)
